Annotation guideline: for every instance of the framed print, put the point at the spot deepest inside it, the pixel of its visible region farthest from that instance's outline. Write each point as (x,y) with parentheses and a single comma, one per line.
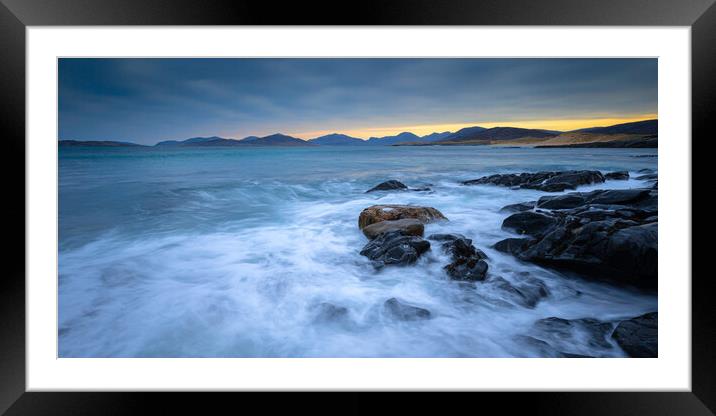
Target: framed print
(420,199)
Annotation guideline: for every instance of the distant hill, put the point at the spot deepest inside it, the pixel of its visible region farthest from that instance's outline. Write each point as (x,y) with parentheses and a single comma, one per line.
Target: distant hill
(215,141)
(645,127)
(636,134)
(481,135)
(403,137)
(97,143)
(433,137)
(279,140)
(337,139)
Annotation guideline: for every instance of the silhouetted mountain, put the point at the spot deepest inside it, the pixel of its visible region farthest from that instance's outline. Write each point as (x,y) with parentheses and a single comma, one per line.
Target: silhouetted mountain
(433,137)
(192,141)
(215,141)
(279,140)
(479,134)
(465,133)
(645,127)
(337,139)
(97,143)
(404,137)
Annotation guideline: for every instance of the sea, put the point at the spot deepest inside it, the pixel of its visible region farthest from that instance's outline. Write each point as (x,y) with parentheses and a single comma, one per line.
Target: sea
(229,252)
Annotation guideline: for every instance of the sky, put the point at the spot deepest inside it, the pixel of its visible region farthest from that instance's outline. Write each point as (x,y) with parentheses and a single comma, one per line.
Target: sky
(148,100)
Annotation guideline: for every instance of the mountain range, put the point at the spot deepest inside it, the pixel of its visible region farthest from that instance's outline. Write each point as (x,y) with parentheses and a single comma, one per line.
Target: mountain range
(635,134)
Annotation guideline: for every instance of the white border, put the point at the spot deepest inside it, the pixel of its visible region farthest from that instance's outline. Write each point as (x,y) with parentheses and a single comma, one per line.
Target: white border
(671,371)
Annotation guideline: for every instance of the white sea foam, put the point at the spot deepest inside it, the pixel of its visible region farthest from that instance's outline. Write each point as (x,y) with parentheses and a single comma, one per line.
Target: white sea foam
(221,265)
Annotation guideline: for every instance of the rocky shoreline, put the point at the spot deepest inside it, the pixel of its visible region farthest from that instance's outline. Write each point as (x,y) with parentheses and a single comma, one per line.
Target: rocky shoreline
(603,235)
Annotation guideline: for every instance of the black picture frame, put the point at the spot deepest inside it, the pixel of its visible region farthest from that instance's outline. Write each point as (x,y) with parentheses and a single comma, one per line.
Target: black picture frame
(16,15)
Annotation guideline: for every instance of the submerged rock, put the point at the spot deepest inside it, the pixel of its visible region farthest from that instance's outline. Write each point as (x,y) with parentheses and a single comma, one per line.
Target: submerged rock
(395,248)
(617,176)
(544,181)
(638,336)
(560,329)
(404,312)
(526,293)
(409,226)
(607,234)
(328,312)
(391,185)
(648,177)
(467,261)
(378,213)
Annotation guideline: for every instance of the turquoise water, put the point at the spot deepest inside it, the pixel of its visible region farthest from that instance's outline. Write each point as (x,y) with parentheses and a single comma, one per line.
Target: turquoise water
(226,252)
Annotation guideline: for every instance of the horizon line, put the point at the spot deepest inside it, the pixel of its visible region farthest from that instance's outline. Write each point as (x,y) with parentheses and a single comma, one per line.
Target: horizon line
(427,129)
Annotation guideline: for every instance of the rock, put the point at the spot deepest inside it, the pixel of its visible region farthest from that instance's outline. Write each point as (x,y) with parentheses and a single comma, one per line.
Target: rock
(405,312)
(526,294)
(512,246)
(593,330)
(648,177)
(391,185)
(638,336)
(606,234)
(467,261)
(617,176)
(328,312)
(378,213)
(409,226)
(519,207)
(545,181)
(528,222)
(395,248)
(571,200)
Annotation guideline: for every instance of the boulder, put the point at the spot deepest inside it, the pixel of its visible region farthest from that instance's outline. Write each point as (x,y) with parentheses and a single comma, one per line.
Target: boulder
(395,248)
(391,185)
(528,222)
(607,234)
(404,312)
(638,336)
(378,213)
(467,261)
(526,293)
(519,207)
(544,181)
(409,226)
(593,330)
(621,175)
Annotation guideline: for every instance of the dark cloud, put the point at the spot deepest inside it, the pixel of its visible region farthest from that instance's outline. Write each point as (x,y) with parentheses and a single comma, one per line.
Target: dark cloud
(147,100)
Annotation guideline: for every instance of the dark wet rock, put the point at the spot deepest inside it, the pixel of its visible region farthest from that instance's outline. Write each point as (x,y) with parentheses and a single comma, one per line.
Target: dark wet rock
(512,245)
(409,226)
(567,201)
(467,261)
(611,235)
(528,222)
(519,207)
(526,293)
(405,312)
(638,336)
(560,329)
(378,213)
(544,181)
(617,176)
(391,185)
(328,312)
(598,197)
(395,248)
(648,177)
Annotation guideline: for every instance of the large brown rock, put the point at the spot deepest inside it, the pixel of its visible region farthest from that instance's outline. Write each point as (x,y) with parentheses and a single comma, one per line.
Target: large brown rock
(379,213)
(409,226)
